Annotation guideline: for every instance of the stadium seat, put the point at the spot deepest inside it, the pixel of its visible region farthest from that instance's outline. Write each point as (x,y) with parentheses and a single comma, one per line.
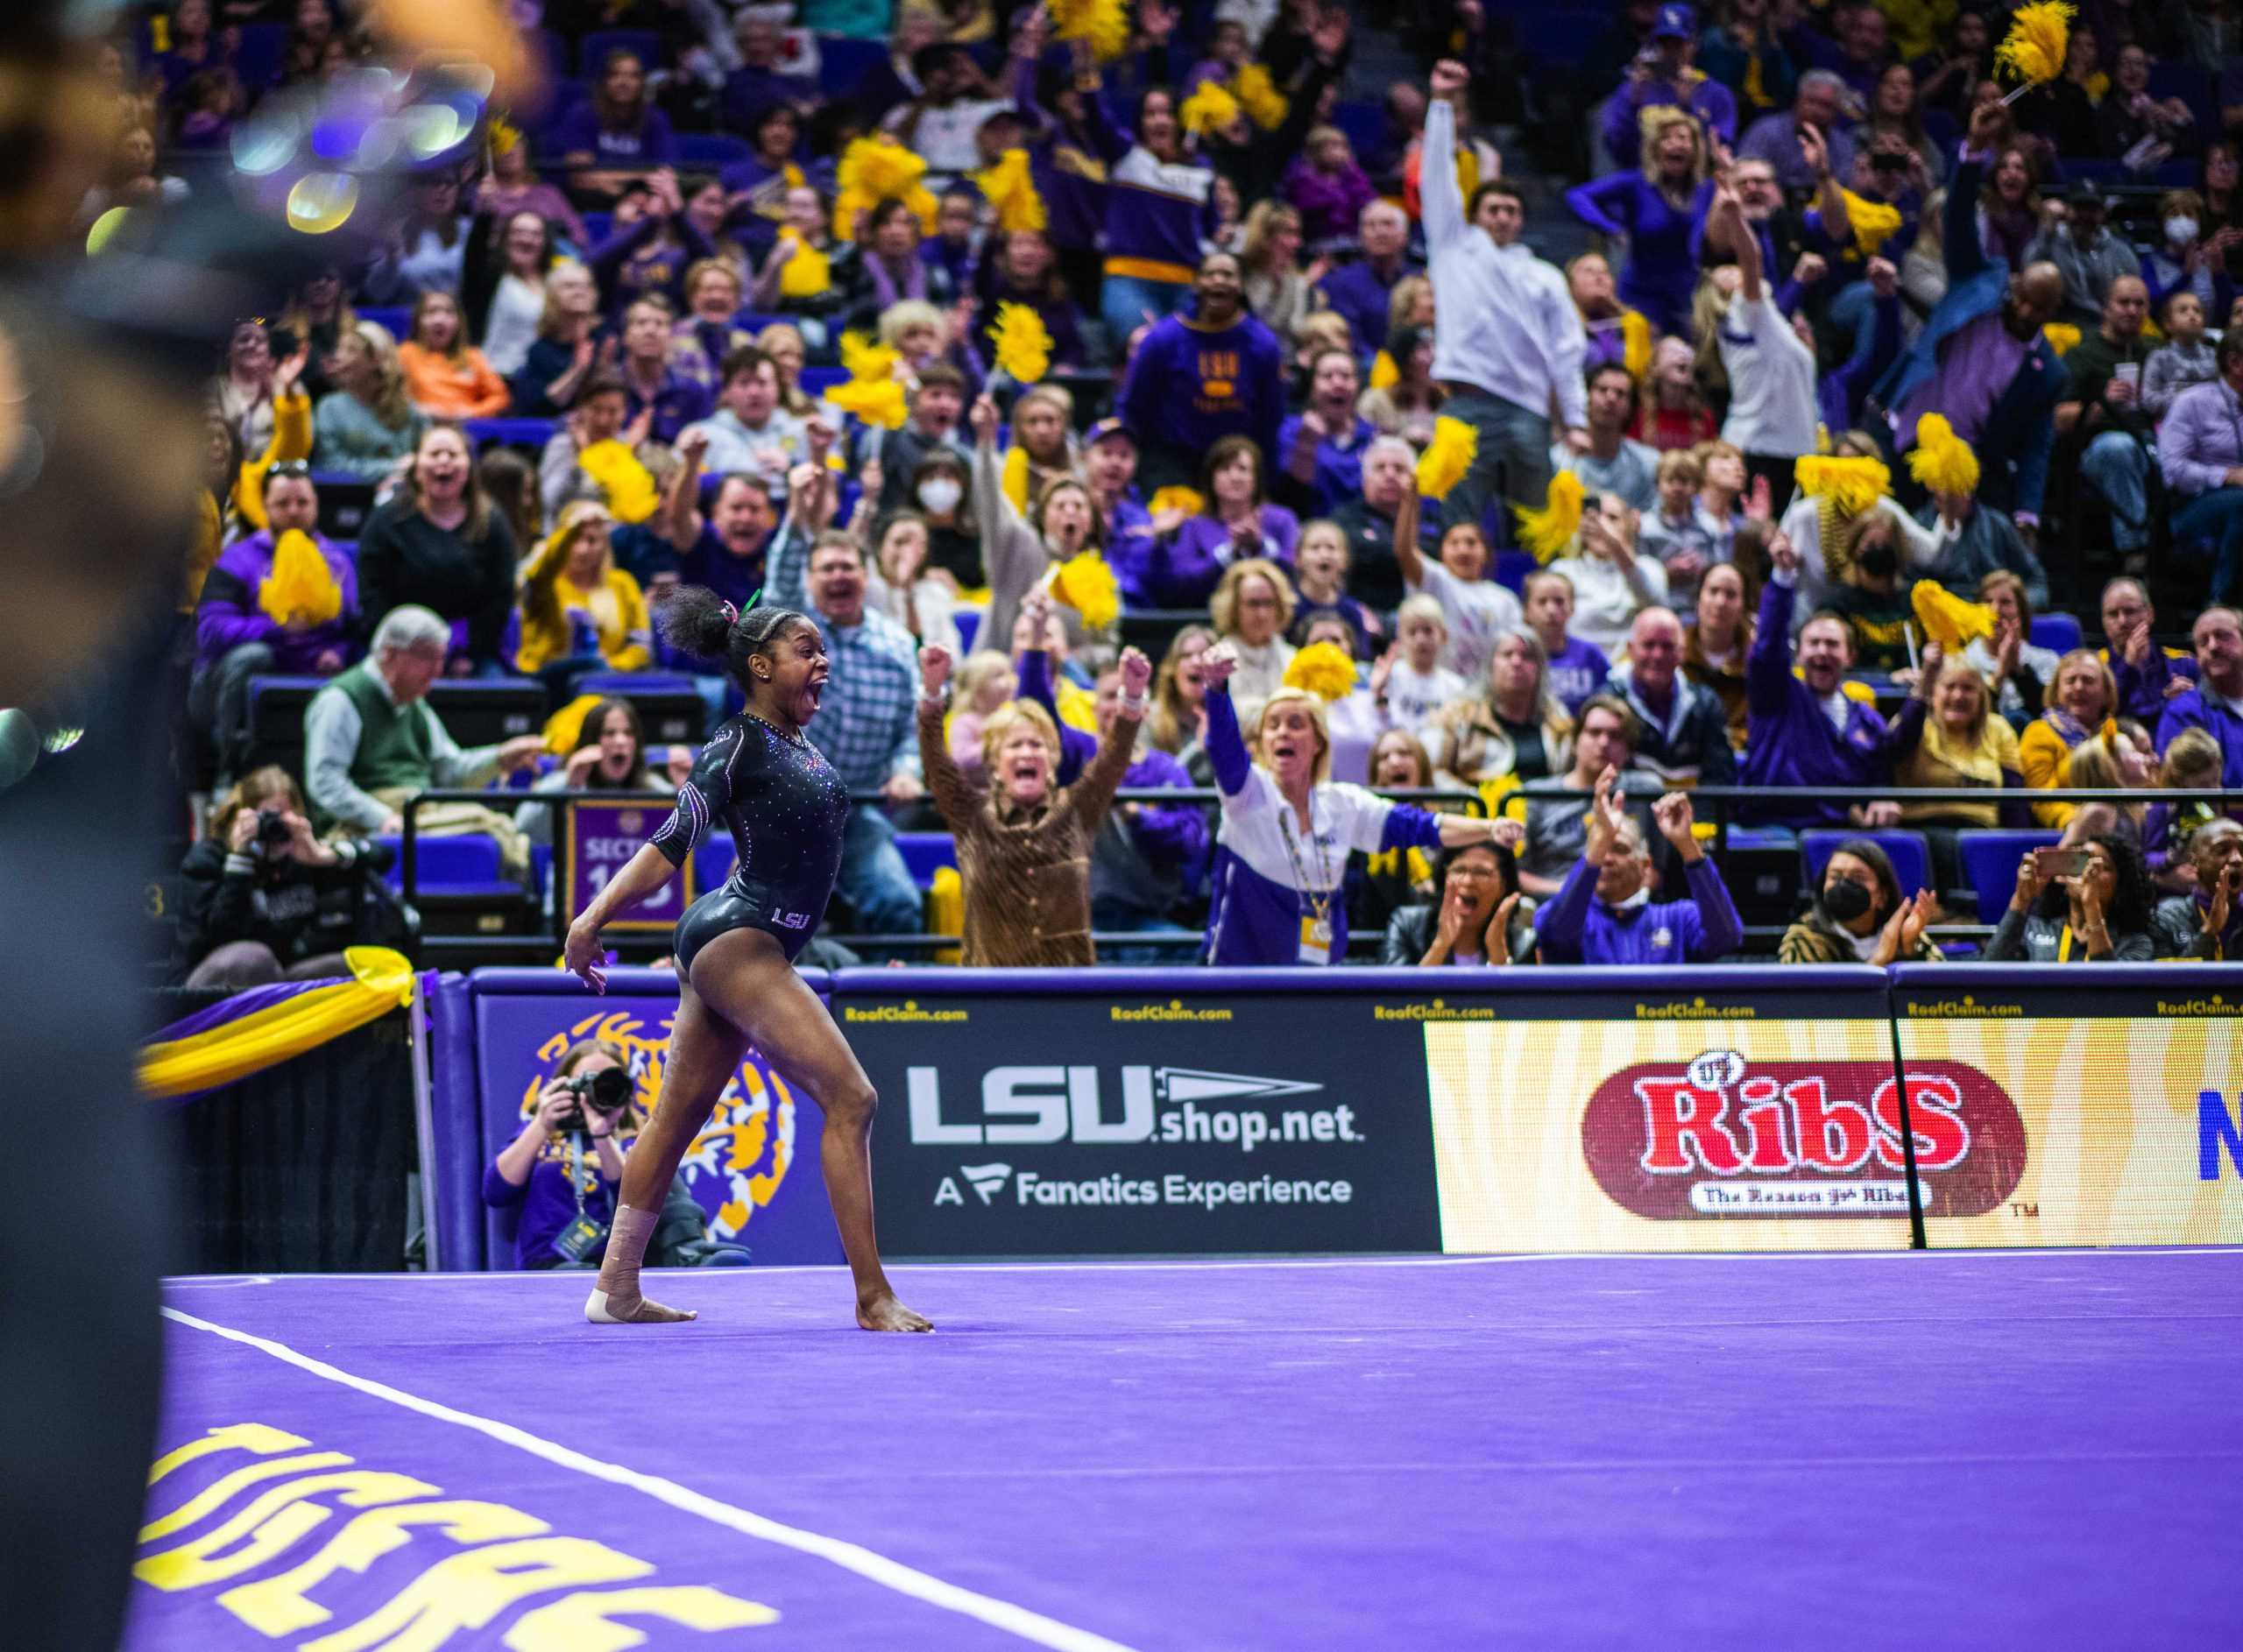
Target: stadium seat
(816,381)
(842,62)
(1910,855)
(968,621)
(465,864)
(644,44)
(345,502)
(671,710)
(484,712)
(1990,864)
(512,433)
(1513,567)
(260,53)
(711,149)
(2059,632)
(1364,123)
(392,319)
(713,860)
(924,852)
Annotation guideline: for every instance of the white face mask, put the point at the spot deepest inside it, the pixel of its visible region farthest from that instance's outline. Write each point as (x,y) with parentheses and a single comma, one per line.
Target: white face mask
(2180,231)
(940,495)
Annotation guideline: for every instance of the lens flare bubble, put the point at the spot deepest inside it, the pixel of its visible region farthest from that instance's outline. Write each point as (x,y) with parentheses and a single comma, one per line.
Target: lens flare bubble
(322,201)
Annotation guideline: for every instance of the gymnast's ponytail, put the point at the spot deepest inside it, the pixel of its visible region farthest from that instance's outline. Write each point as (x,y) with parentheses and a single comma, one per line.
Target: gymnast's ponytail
(704,625)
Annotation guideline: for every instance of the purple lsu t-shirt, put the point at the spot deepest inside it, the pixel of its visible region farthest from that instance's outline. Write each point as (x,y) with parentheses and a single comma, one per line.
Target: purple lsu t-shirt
(1576,672)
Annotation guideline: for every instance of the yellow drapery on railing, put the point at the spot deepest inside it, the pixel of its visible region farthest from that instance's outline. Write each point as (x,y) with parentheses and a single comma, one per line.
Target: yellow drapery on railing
(381,980)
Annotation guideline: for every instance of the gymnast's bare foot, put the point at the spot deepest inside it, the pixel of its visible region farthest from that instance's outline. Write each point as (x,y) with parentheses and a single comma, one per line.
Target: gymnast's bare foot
(603,1309)
(883,1312)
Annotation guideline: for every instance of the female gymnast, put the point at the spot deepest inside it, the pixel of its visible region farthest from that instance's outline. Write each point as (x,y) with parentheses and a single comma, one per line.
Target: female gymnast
(736,947)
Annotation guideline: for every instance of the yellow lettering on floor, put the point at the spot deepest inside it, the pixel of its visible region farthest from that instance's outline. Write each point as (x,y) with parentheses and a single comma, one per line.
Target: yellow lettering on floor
(468,1591)
(239,1437)
(585,1622)
(281,1604)
(216,1494)
(274,1523)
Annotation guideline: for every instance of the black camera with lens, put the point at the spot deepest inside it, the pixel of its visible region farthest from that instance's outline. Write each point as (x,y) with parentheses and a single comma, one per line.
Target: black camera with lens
(273,827)
(609,1090)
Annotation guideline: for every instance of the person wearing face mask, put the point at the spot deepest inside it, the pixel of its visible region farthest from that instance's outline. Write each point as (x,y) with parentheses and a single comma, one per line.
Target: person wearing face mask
(1282,848)
(1870,599)
(2186,260)
(1603,913)
(938,489)
(1860,916)
(1025,843)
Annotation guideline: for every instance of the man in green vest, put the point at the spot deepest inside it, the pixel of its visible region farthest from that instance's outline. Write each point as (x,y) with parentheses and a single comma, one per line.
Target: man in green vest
(372,740)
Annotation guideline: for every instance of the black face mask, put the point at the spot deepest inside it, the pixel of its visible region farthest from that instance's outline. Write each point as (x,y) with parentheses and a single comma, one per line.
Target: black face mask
(1879,561)
(1845,899)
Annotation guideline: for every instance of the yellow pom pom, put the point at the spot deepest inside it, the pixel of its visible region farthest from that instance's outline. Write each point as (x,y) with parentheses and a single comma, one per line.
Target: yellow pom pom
(1009,187)
(2039,36)
(1941,460)
(1258,94)
(878,402)
(1852,485)
(1188,500)
(624,483)
(1550,530)
(809,273)
(1325,669)
(1086,584)
(1023,345)
(1384,375)
(301,588)
(876,169)
(1015,478)
(1105,23)
(1209,109)
(1446,457)
(1872,223)
(2061,337)
(565,727)
(861,358)
(1947,619)
(1635,343)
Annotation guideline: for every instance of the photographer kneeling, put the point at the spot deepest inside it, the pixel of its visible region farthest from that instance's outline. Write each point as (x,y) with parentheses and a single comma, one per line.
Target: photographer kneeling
(564,1167)
(262,900)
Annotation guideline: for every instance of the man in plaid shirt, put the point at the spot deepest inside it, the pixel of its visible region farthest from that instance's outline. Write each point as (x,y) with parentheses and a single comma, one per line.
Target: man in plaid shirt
(866,723)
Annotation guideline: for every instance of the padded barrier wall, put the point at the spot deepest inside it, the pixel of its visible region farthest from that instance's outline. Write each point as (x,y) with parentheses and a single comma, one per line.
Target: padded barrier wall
(1117,1111)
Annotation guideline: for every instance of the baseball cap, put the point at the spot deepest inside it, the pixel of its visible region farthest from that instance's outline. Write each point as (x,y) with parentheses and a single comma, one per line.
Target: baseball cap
(1106,427)
(1678,21)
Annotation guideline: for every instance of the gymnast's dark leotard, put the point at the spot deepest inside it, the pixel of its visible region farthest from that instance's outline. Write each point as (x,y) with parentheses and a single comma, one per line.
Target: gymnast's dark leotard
(786,808)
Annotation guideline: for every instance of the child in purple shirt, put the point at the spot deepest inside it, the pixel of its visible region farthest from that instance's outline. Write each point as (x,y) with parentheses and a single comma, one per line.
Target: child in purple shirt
(1577,668)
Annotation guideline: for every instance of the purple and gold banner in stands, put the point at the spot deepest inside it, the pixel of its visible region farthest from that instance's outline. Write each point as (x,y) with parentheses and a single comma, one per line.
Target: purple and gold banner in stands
(262,1028)
(753,1168)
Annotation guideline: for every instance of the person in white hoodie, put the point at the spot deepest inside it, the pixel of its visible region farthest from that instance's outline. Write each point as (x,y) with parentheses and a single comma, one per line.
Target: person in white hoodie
(1510,341)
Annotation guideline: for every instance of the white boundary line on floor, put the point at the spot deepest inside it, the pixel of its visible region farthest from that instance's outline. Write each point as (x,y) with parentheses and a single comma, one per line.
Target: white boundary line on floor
(2046,1252)
(875,1568)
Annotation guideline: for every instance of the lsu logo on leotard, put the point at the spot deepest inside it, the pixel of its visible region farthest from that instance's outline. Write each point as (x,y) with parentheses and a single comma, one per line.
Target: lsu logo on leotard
(787,920)
(735,1165)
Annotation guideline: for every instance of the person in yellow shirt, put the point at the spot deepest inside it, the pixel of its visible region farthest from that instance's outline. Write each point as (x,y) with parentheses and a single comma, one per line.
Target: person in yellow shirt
(1949,735)
(581,613)
(2082,698)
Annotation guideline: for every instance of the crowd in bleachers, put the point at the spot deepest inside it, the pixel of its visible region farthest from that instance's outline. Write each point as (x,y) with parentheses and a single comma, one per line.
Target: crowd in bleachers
(1855,435)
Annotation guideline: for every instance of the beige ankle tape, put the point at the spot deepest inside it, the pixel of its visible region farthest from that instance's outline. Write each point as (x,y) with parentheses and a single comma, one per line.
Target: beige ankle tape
(626,1249)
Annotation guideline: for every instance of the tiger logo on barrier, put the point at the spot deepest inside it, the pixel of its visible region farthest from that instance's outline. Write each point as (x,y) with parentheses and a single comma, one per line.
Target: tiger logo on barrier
(736,1164)
(1718,1136)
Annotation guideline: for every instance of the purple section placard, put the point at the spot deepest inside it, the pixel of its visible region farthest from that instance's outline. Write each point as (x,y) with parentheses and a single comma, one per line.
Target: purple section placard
(754,1168)
(597,838)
